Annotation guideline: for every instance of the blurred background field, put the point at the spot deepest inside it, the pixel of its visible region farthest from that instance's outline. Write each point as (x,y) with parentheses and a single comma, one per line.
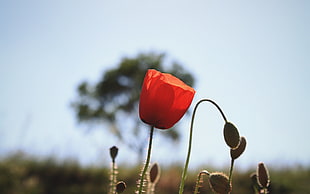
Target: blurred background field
(21,174)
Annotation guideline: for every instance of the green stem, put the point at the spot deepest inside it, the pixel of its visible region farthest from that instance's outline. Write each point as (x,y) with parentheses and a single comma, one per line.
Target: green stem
(184,173)
(231,170)
(147,160)
(113,178)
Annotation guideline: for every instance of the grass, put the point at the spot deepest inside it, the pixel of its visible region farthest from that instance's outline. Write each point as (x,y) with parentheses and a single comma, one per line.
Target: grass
(20,174)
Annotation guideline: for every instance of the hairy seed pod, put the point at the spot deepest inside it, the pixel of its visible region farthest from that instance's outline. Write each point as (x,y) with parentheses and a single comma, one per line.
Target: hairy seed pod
(113,152)
(154,173)
(219,183)
(235,153)
(231,135)
(263,175)
(120,186)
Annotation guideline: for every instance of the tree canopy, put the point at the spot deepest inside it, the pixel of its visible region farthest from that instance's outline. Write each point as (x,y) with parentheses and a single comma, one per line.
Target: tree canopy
(113,100)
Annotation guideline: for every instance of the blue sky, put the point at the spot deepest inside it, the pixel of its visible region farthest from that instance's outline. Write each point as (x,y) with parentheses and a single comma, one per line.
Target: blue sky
(251,57)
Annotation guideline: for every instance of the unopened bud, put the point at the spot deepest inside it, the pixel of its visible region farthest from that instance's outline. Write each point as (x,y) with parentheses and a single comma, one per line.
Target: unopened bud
(219,182)
(263,175)
(231,135)
(235,153)
(120,186)
(113,152)
(154,173)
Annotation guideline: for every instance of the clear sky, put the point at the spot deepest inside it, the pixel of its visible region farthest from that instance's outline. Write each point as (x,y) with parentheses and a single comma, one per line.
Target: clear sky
(251,57)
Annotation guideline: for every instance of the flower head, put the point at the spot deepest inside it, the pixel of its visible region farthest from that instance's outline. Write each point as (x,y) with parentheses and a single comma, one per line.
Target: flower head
(164,99)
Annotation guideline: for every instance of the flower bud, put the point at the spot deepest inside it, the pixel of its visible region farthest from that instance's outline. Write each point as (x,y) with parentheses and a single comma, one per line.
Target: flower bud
(263,175)
(231,135)
(154,173)
(219,182)
(120,186)
(113,152)
(235,153)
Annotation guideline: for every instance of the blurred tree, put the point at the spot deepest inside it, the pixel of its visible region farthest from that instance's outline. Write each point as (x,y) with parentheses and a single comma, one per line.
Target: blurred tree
(113,101)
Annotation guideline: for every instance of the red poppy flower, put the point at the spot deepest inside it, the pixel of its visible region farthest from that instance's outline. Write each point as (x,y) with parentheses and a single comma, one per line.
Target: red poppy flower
(164,99)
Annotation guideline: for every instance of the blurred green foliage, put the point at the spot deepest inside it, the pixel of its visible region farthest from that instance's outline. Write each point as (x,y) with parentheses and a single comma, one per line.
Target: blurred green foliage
(24,175)
(20,174)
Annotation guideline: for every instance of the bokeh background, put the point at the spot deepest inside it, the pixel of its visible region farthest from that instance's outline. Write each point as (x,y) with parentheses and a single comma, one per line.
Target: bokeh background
(251,57)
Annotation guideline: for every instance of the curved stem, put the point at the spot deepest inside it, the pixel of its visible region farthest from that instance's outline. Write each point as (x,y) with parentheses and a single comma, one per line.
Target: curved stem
(217,106)
(184,173)
(198,180)
(147,160)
